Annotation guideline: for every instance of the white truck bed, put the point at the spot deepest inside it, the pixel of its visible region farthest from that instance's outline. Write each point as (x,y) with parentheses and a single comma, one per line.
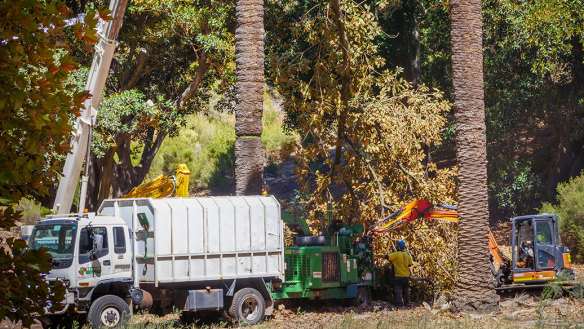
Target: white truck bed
(192,239)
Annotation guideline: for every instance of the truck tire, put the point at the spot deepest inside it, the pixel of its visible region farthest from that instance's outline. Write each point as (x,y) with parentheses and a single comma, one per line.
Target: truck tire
(109,311)
(363,297)
(248,306)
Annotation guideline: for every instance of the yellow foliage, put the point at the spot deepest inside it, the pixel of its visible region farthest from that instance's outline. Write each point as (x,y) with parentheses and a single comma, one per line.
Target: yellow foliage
(389,134)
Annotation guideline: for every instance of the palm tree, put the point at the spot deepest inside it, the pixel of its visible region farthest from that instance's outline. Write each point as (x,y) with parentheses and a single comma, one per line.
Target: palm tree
(474,284)
(249,96)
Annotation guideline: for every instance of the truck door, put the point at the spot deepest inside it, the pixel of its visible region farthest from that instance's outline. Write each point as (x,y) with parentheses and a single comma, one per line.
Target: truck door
(93,267)
(545,245)
(121,259)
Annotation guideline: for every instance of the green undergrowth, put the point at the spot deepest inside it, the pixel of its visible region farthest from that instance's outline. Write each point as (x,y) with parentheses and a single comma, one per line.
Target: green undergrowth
(278,143)
(31,210)
(206,144)
(570,210)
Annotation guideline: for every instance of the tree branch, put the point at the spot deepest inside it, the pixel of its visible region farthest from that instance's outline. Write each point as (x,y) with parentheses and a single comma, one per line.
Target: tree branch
(192,88)
(345,83)
(140,62)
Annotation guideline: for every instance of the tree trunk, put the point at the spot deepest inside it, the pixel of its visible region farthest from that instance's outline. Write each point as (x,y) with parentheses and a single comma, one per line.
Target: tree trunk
(95,175)
(127,176)
(248,166)
(249,96)
(474,284)
(345,83)
(415,61)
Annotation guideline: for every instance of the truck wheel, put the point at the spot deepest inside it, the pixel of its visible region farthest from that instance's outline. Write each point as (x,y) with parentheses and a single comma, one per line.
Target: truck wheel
(108,312)
(363,297)
(248,306)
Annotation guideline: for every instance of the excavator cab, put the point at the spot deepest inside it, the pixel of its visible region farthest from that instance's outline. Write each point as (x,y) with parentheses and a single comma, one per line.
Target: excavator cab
(537,253)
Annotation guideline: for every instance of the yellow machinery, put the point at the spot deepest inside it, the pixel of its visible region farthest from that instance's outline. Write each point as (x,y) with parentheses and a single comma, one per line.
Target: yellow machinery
(173,183)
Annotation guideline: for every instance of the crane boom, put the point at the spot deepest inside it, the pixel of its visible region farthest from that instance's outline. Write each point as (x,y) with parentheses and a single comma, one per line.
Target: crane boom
(80,141)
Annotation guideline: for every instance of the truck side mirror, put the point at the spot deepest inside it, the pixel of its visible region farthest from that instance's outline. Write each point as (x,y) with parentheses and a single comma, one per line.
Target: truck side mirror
(97,244)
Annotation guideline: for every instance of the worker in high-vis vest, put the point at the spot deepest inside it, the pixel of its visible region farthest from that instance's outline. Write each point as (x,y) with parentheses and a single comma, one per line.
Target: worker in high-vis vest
(401,265)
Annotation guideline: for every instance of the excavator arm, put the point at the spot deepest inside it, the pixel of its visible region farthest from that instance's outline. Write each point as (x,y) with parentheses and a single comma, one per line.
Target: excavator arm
(173,183)
(414,210)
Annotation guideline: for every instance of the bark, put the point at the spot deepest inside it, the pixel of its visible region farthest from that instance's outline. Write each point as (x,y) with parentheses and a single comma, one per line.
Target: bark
(94,175)
(249,164)
(249,70)
(117,14)
(474,287)
(127,176)
(249,96)
(107,175)
(416,71)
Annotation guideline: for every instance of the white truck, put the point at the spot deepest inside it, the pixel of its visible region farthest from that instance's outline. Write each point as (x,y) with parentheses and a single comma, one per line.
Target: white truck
(190,253)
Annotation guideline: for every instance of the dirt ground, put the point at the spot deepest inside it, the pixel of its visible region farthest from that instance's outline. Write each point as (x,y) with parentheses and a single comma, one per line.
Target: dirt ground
(520,311)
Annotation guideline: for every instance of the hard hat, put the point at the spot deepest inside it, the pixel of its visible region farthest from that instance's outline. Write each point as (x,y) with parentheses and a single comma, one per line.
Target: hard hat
(401,244)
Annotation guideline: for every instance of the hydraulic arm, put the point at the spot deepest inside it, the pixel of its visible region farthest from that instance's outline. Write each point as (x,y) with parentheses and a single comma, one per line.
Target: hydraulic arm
(173,183)
(540,233)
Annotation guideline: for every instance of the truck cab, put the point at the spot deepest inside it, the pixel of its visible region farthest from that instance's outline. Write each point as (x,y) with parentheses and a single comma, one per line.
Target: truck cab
(91,256)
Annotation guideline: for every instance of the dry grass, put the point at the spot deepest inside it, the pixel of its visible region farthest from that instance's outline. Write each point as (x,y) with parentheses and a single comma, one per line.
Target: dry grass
(521,311)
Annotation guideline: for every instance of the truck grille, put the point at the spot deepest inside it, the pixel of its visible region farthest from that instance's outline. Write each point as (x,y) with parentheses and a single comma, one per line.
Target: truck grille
(330,267)
(297,267)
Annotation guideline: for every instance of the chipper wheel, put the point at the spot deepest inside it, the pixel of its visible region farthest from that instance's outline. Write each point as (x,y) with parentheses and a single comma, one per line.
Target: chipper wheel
(248,306)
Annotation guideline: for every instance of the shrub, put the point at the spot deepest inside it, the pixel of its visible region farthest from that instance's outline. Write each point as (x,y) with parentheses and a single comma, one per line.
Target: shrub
(570,210)
(278,143)
(206,146)
(31,211)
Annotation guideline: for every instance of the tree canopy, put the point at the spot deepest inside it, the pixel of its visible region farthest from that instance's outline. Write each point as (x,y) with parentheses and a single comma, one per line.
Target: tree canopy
(35,108)
(172,57)
(369,135)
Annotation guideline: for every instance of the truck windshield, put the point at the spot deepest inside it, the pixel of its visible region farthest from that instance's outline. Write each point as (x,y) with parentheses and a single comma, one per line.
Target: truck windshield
(59,239)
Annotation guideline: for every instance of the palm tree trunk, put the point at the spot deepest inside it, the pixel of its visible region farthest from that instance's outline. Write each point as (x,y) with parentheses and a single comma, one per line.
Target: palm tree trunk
(474,283)
(249,96)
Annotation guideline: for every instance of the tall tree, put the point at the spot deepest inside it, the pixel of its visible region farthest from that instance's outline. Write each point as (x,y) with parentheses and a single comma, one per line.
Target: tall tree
(146,102)
(474,285)
(368,132)
(34,125)
(249,96)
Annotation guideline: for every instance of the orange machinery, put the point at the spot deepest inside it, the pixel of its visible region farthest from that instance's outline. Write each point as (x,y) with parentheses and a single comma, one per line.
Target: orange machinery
(537,255)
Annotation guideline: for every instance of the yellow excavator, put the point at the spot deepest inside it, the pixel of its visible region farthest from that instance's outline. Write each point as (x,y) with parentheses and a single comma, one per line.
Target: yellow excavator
(174,183)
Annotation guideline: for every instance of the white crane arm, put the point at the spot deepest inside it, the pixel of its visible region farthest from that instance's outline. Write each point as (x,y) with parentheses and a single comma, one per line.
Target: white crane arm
(102,58)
